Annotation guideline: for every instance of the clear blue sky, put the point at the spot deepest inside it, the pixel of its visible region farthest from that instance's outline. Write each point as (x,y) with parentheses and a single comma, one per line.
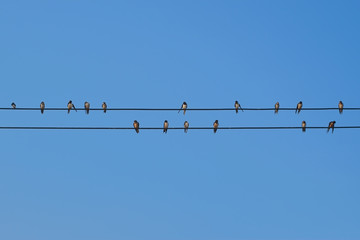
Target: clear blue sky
(229,185)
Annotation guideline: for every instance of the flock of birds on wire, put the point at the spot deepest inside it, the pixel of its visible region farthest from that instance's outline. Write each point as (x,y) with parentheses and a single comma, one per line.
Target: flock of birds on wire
(183,108)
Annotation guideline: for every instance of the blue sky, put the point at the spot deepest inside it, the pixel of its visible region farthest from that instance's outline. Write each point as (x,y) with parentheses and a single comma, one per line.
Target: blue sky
(200,185)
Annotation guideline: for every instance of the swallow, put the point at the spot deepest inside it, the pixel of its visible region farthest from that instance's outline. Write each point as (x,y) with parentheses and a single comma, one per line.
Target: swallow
(166,125)
(341,107)
(87,107)
(277,105)
(183,107)
(237,106)
(303,125)
(13,105)
(332,126)
(136,126)
(216,125)
(42,107)
(71,105)
(298,107)
(186,126)
(104,106)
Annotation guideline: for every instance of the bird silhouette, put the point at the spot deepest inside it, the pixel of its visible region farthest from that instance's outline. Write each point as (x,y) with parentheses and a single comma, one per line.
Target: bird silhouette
(136,125)
(87,107)
(216,125)
(303,125)
(183,107)
(104,106)
(298,107)
(332,126)
(42,107)
(277,105)
(341,107)
(186,126)
(166,125)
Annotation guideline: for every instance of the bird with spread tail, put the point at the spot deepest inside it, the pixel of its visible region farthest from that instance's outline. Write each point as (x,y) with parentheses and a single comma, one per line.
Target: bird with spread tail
(71,105)
(183,107)
(341,107)
(136,126)
(166,126)
(186,126)
(332,126)
(104,106)
(298,107)
(303,125)
(87,107)
(277,106)
(237,106)
(42,107)
(216,125)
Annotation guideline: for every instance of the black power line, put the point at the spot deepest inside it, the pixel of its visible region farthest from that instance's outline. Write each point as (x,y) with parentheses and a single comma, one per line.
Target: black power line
(170,128)
(177,109)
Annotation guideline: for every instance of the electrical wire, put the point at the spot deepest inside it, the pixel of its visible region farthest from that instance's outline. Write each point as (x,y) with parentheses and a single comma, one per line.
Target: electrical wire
(170,128)
(177,109)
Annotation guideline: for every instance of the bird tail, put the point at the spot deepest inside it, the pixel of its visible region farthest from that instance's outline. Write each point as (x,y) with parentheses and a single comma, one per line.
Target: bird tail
(215,129)
(137,130)
(341,111)
(184,111)
(42,111)
(236,110)
(328,129)
(304,129)
(104,110)
(68,110)
(332,130)
(87,111)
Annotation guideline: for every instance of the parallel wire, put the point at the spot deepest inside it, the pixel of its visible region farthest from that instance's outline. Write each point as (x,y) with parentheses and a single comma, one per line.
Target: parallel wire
(177,109)
(170,128)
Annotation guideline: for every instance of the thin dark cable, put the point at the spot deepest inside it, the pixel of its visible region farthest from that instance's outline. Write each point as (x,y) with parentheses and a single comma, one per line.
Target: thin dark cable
(177,109)
(170,128)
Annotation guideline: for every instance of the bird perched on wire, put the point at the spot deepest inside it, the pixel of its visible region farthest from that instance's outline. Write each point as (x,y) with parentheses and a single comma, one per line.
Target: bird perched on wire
(298,107)
(71,105)
(104,106)
(341,107)
(186,126)
(166,126)
(136,125)
(303,125)
(332,126)
(237,106)
(216,125)
(183,107)
(42,107)
(13,105)
(277,106)
(87,107)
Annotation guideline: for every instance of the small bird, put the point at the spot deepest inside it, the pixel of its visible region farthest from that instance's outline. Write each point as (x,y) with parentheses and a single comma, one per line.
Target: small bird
(87,107)
(341,107)
(186,126)
(166,125)
(13,105)
(216,125)
(298,107)
(183,107)
(303,125)
(237,106)
(277,105)
(104,106)
(42,107)
(71,105)
(136,126)
(331,125)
